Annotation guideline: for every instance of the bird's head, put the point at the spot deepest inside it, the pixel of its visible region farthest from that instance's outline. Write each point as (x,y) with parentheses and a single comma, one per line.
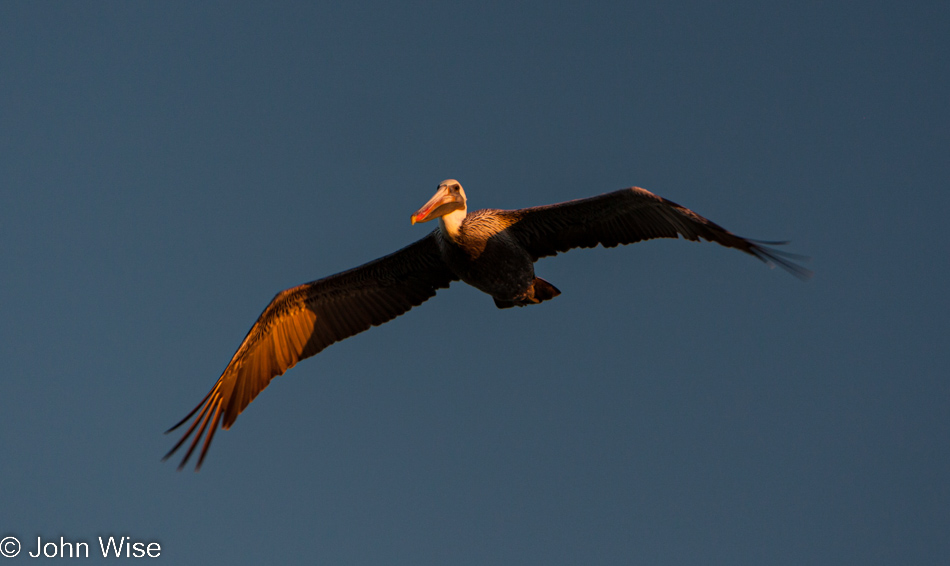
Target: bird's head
(447,199)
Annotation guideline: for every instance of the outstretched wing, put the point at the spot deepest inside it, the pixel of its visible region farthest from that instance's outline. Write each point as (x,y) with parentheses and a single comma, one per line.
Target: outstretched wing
(303,320)
(625,217)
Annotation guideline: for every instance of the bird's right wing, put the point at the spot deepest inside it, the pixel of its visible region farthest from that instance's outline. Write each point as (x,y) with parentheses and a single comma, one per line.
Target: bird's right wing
(624,217)
(301,321)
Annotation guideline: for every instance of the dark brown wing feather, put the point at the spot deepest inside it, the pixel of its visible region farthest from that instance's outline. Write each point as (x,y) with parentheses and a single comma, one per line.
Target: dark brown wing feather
(304,320)
(624,217)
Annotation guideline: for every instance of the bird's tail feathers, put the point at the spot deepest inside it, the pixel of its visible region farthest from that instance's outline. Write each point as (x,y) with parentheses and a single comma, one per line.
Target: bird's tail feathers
(539,291)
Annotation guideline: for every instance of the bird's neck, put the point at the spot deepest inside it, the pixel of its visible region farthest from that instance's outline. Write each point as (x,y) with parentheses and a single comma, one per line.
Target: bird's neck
(451,222)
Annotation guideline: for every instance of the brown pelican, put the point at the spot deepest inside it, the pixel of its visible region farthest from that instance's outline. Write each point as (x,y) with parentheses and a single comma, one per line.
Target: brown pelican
(492,250)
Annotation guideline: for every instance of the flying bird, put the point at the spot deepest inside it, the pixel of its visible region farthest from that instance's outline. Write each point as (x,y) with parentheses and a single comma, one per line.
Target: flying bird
(491,250)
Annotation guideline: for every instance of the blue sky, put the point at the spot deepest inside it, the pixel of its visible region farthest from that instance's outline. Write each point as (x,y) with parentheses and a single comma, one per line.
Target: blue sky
(166,168)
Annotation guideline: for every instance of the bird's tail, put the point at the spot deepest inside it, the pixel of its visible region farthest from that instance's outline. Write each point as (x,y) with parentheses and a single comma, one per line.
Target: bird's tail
(539,291)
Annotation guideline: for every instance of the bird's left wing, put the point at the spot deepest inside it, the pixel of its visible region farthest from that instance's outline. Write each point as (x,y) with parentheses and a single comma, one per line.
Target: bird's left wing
(624,217)
(301,321)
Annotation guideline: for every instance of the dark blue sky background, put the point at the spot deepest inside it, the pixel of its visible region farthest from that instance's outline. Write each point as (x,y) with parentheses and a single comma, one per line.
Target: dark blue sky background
(166,168)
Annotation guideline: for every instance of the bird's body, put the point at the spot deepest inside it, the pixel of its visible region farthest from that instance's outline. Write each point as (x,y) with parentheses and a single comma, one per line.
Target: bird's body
(491,250)
(486,256)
